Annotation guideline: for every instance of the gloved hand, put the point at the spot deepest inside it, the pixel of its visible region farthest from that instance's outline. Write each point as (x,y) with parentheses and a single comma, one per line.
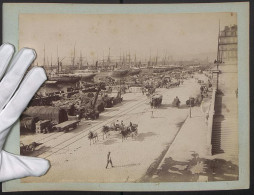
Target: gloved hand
(15,95)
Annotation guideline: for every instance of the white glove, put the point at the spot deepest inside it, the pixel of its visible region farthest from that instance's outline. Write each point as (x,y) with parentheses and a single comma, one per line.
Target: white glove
(15,95)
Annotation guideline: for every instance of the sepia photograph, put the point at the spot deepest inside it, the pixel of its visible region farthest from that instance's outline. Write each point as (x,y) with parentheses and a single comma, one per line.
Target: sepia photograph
(133,98)
(126,93)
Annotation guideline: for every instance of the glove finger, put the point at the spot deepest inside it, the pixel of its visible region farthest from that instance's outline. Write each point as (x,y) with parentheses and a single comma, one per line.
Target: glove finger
(20,100)
(15,167)
(6,53)
(14,75)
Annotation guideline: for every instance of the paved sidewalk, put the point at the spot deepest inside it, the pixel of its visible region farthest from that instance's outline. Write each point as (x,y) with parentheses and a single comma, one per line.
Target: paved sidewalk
(190,140)
(187,160)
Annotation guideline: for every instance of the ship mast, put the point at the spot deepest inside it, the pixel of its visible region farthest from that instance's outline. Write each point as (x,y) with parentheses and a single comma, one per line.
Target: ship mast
(129,58)
(156,59)
(135,59)
(150,58)
(73,60)
(120,57)
(58,63)
(51,62)
(109,55)
(123,63)
(80,64)
(103,59)
(165,58)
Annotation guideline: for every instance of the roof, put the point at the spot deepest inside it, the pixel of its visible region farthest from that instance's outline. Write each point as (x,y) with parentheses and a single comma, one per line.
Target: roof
(47,113)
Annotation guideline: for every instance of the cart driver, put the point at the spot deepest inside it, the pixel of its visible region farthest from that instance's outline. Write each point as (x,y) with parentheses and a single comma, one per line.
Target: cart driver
(131,126)
(117,123)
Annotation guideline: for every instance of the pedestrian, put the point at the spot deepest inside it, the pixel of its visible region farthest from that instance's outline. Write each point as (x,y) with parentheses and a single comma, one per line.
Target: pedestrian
(152,114)
(109,160)
(207,117)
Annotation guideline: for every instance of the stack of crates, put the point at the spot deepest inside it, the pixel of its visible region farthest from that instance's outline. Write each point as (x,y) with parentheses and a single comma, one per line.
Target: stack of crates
(43,126)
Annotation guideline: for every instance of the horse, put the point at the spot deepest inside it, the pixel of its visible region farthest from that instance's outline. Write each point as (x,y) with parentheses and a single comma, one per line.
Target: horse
(93,137)
(105,131)
(130,131)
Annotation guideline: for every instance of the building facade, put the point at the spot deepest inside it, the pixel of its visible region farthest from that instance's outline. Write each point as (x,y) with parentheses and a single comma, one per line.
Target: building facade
(225,118)
(227,48)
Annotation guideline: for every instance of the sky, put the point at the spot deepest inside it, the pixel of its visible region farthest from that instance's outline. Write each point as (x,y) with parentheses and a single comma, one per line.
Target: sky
(180,36)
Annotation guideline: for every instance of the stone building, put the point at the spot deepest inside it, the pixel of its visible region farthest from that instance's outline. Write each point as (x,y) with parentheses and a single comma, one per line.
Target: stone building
(228,44)
(225,78)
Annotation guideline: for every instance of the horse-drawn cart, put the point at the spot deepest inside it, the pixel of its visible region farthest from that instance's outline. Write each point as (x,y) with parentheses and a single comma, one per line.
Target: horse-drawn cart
(91,114)
(129,131)
(156,100)
(176,102)
(67,125)
(29,148)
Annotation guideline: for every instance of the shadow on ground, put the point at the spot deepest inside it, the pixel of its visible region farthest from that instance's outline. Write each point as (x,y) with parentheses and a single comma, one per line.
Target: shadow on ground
(197,169)
(141,136)
(110,141)
(128,165)
(116,137)
(165,106)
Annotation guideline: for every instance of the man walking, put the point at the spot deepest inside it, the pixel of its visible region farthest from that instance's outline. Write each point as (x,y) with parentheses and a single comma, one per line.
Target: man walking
(109,160)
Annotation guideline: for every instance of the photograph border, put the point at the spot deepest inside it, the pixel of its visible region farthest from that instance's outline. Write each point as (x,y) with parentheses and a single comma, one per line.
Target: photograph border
(10,34)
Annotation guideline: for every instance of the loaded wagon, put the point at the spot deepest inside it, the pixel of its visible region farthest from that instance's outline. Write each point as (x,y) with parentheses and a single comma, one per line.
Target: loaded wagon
(156,100)
(67,125)
(54,114)
(108,101)
(117,99)
(91,114)
(100,106)
(190,102)
(173,84)
(194,101)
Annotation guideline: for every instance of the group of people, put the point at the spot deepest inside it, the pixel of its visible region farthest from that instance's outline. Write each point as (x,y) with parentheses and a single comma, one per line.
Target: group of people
(119,124)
